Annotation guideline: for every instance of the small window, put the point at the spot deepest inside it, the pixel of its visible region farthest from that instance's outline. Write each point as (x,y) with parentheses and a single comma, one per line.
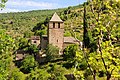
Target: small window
(57,40)
(53,25)
(58,25)
(35,42)
(45,38)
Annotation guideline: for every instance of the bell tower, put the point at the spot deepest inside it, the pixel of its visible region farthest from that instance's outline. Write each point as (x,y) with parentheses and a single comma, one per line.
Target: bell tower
(56,32)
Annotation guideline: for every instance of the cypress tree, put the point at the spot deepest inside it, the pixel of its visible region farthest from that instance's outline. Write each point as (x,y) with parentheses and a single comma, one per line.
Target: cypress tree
(86,39)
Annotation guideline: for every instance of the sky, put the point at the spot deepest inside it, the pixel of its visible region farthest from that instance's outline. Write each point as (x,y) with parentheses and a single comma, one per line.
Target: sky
(28,5)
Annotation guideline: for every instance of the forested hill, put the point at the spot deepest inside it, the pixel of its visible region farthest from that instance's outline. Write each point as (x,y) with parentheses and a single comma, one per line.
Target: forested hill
(97,23)
(22,23)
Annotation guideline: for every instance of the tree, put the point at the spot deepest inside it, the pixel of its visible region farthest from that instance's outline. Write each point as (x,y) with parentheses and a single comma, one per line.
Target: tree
(70,52)
(28,64)
(41,32)
(86,40)
(52,52)
(106,57)
(2,3)
(32,49)
(39,74)
(57,72)
(6,49)
(40,29)
(23,43)
(16,75)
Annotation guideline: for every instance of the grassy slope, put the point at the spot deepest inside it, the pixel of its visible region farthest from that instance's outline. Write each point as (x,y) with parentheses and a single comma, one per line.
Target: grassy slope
(24,21)
(21,22)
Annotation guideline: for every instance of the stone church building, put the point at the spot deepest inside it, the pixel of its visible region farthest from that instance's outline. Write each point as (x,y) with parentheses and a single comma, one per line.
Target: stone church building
(55,35)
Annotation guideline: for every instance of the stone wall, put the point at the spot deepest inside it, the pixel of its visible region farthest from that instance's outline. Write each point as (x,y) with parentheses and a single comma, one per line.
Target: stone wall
(35,42)
(56,34)
(44,42)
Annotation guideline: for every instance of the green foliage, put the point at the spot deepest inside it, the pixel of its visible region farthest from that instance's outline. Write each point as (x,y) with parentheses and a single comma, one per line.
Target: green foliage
(70,56)
(17,75)
(2,3)
(86,39)
(70,52)
(39,74)
(6,49)
(57,72)
(82,65)
(105,57)
(28,64)
(23,23)
(68,64)
(32,49)
(100,59)
(28,34)
(23,43)
(52,52)
(41,28)
(67,34)
(41,32)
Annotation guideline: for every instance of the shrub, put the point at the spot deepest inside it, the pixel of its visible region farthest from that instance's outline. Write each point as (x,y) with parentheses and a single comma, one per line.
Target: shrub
(28,64)
(52,52)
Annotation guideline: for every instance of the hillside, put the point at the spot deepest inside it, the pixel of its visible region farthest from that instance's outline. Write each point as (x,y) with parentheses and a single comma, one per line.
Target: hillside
(22,23)
(96,23)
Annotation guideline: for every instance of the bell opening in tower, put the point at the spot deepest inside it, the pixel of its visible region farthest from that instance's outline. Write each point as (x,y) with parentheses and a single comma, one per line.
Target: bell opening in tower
(58,25)
(53,25)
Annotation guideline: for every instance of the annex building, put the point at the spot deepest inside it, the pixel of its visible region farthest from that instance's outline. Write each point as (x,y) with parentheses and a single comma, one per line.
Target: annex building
(55,35)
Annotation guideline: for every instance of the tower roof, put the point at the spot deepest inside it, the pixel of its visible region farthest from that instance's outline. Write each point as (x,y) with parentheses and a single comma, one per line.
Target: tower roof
(55,18)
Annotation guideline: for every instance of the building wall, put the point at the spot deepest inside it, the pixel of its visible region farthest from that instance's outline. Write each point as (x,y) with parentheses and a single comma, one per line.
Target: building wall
(44,43)
(56,34)
(35,42)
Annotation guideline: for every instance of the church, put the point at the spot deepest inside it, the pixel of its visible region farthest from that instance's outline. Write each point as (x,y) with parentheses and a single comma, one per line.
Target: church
(55,35)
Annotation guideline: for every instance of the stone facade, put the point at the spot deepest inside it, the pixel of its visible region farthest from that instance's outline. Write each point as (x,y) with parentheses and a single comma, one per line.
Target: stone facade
(35,40)
(44,42)
(56,32)
(55,35)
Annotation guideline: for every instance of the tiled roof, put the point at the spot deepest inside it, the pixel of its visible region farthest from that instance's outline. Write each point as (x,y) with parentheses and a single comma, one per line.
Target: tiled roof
(44,36)
(35,37)
(56,18)
(70,40)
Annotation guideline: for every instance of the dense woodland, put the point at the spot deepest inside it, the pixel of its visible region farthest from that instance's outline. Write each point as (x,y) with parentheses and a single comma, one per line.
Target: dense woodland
(96,23)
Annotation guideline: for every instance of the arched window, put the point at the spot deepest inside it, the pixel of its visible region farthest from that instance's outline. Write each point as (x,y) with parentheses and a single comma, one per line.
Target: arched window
(58,25)
(53,25)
